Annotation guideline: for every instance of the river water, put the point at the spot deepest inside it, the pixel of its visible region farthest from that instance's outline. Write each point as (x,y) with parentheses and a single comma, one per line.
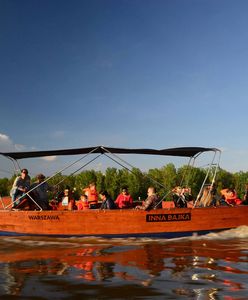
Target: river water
(214,266)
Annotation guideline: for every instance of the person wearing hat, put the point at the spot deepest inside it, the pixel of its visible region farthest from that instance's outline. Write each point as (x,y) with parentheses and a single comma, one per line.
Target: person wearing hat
(20,186)
(39,192)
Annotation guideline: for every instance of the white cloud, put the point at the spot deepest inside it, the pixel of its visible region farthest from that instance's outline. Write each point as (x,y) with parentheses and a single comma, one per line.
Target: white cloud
(4,137)
(49,158)
(6,143)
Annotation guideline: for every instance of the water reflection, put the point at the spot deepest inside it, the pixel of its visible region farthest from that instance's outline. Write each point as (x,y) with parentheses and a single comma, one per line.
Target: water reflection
(123,269)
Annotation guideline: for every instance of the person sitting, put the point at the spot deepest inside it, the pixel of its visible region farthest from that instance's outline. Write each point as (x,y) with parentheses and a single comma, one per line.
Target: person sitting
(107,201)
(151,202)
(245,198)
(20,186)
(40,192)
(230,197)
(83,203)
(68,201)
(178,197)
(124,200)
(182,197)
(208,196)
(92,195)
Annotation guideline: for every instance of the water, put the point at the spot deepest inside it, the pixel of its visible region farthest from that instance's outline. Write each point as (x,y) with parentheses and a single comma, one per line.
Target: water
(209,267)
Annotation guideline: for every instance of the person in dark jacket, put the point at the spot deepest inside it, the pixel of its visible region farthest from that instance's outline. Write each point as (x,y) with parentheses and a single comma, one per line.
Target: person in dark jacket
(107,201)
(40,192)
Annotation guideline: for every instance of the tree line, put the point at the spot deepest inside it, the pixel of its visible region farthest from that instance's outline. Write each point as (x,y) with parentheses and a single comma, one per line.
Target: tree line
(164,179)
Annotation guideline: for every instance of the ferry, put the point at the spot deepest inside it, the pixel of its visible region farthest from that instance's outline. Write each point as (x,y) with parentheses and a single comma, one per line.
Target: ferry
(166,222)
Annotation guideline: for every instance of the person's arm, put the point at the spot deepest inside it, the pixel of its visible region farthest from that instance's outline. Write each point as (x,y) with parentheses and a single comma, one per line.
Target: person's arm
(147,203)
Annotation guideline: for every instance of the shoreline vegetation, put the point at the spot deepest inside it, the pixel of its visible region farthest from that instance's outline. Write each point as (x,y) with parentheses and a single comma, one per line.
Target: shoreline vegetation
(164,179)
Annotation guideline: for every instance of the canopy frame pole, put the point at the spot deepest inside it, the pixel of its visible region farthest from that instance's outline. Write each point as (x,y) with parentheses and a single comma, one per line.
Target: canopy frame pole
(190,164)
(128,165)
(144,175)
(17,167)
(207,174)
(48,178)
(79,169)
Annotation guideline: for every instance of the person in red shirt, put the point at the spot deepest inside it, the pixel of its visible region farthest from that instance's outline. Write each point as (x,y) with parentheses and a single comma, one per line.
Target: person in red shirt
(124,199)
(230,196)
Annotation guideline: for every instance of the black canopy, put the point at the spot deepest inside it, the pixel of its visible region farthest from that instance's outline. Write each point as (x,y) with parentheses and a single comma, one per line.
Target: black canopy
(181,151)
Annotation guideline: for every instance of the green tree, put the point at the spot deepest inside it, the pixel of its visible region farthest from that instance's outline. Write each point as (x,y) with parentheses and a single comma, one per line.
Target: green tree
(169,179)
(137,184)
(4,187)
(225,179)
(240,178)
(112,182)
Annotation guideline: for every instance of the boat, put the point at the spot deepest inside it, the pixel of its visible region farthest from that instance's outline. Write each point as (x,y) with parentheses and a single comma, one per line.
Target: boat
(165,222)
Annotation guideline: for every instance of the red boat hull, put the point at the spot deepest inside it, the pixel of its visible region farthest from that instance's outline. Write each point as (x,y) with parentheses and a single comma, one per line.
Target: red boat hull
(175,222)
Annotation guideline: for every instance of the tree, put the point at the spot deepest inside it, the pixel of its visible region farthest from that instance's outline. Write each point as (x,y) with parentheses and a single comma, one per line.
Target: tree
(241,179)
(4,186)
(112,182)
(225,179)
(137,184)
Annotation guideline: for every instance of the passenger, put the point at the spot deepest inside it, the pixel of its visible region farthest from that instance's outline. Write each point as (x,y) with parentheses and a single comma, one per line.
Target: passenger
(178,197)
(40,193)
(209,196)
(83,203)
(92,195)
(124,200)
(53,204)
(230,197)
(151,202)
(20,186)
(187,193)
(245,199)
(107,201)
(68,201)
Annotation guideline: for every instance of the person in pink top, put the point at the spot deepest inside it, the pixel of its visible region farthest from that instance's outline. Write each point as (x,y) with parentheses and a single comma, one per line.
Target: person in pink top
(124,199)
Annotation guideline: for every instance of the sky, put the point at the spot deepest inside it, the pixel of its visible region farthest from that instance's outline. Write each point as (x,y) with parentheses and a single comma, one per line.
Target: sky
(124,73)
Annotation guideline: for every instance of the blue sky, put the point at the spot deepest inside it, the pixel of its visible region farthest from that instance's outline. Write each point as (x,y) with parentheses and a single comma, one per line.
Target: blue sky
(124,73)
